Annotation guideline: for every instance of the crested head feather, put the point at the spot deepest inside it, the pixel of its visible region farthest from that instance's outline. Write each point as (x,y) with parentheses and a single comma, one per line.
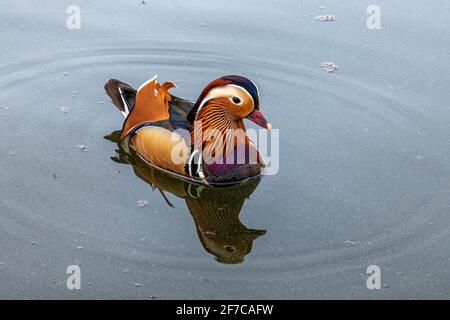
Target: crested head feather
(236,80)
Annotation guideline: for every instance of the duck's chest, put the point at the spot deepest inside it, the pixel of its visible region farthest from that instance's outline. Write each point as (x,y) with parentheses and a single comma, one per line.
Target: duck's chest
(239,164)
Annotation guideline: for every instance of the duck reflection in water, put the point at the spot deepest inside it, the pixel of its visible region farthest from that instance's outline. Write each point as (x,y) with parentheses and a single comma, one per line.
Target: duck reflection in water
(215,210)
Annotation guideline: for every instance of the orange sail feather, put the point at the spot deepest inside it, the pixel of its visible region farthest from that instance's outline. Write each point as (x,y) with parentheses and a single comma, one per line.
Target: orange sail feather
(151,105)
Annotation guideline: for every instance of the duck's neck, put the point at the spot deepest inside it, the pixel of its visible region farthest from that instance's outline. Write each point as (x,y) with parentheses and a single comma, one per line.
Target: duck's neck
(215,129)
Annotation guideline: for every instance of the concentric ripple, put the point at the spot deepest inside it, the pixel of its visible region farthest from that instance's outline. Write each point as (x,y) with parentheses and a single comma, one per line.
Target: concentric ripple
(361,177)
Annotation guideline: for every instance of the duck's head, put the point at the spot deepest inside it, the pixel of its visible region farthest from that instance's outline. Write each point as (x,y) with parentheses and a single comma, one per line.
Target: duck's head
(234,95)
(230,248)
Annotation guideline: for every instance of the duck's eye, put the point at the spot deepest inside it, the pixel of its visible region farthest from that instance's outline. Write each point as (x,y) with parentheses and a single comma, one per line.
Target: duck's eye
(236,100)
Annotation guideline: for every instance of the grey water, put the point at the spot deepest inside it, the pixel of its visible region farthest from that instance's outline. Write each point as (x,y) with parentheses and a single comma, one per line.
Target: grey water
(364,175)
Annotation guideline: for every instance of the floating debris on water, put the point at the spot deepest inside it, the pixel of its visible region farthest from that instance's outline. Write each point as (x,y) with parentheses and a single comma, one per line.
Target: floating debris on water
(82,147)
(329,67)
(350,243)
(390,86)
(74,93)
(100,102)
(326,18)
(137,284)
(204,25)
(55,176)
(80,248)
(11,153)
(65,73)
(143,2)
(64,109)
(322,8)
(142,203)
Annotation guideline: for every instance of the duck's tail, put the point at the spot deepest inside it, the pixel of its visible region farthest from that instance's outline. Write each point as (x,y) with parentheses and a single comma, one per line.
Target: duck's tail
(122,95)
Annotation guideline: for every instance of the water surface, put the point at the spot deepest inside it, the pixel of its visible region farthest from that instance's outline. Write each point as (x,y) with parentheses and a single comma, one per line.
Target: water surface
(364,154)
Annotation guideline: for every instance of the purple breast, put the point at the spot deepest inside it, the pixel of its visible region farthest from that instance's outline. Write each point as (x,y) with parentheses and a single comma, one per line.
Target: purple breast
(240,164)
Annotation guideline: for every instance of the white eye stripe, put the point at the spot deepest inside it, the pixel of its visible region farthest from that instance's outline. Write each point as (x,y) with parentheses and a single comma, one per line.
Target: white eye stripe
(225,91)
(243,89)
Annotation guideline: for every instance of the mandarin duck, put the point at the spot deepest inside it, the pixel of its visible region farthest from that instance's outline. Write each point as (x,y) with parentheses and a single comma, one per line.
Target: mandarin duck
(215,211)
(203,141)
